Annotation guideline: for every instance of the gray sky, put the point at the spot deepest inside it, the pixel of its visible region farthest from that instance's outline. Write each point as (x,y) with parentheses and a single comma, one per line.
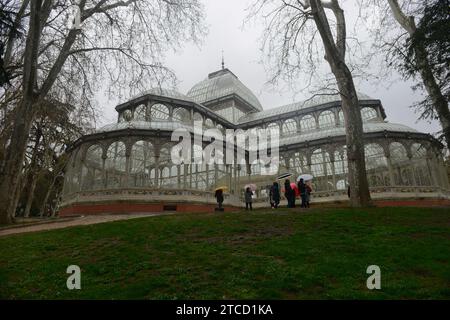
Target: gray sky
(242,55)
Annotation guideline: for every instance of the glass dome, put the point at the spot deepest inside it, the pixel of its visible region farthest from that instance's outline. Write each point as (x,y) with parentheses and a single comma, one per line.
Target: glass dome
(220,84)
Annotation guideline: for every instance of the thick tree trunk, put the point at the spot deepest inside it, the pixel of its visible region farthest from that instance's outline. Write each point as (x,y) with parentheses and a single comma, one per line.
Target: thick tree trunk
(335,55)
(30,195)
(19,189)
(12,169)
(32,175)
(359,186)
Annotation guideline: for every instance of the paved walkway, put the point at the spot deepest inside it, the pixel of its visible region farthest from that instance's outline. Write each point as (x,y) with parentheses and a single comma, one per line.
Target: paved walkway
(78,221)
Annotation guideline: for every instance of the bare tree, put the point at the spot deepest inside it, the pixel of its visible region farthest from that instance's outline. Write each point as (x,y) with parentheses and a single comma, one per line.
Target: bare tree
(392,33)
(120,44)
(423,65)
(290,38)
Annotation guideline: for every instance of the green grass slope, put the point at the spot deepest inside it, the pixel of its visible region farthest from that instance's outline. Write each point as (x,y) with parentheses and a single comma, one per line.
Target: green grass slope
(315,254)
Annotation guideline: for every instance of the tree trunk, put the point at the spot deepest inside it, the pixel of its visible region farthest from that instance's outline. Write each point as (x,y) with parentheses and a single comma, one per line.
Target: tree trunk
(14,163)
(47,196)
(335,55)
(12,169)
(30,195)
(440,103)
(19,189)
(32,175)
(359,186)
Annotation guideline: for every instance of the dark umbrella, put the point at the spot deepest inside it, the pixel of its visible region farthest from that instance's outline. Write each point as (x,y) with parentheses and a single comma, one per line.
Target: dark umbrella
(284,175)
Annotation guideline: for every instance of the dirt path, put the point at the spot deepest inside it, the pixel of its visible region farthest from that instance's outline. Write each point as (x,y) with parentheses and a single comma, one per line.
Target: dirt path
(78,221)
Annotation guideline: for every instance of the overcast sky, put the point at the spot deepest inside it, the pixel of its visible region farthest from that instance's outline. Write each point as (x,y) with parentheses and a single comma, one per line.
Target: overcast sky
(242,55)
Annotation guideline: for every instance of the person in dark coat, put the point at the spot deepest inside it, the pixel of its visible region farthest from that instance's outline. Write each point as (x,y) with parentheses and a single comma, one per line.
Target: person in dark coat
(248,198)
(275,194)
(219,197)
(303,192)
(288,192)
(272,203)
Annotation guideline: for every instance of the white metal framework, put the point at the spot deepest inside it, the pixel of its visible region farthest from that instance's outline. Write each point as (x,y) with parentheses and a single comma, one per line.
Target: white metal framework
(131,159)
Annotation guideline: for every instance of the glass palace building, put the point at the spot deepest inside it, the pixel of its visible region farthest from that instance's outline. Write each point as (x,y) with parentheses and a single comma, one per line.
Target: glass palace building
(127,166)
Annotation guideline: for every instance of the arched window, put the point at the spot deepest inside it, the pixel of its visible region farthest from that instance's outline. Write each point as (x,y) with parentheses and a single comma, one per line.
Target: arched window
(209,123)
(159,112)
(368,113)
(398,153)
(320,161)
(419,164)
(289,127)
(142,161)
(321,169)
(299,163)
(375,158)
(376,165)
(181,115)
(115,165)
(326,119)
(140,113)
(400,162)
(307,123)
(92,170)
(127,115)
(418,150)
(340,161)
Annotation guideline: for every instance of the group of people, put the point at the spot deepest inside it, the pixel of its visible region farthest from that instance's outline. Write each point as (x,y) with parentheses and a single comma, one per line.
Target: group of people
(304,190)
(275,195)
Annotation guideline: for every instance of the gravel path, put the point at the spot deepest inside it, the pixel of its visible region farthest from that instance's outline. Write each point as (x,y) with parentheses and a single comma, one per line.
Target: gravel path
(78,221)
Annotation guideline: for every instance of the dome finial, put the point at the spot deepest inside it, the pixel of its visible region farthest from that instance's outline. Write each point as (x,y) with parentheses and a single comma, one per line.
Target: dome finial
(223,61)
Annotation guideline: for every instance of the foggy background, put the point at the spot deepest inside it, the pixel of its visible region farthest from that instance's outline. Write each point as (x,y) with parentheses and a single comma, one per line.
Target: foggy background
(241,45)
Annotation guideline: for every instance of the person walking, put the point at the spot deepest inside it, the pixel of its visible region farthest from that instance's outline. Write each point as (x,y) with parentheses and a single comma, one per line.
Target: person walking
(303,192)
(248,198)
(275,194)
(288,192)
(219,198)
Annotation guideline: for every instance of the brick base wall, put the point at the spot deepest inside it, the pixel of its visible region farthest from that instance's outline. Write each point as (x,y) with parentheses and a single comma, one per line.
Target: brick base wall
(124,208)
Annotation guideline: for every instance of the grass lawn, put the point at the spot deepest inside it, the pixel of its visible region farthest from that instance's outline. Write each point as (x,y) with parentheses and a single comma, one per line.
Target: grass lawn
(317,254)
